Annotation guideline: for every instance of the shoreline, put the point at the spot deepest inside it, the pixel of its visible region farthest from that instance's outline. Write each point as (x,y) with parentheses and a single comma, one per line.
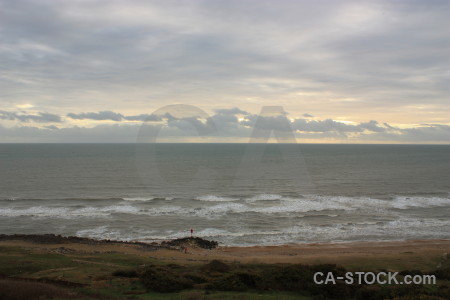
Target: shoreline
(51,238)
(335,243)
(81,268)
(384,254)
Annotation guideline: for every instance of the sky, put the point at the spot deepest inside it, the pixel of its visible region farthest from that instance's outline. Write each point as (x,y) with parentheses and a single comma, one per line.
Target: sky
(211,71)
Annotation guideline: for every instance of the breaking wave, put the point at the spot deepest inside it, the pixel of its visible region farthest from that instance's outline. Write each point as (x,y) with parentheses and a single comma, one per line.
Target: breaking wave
(219,205)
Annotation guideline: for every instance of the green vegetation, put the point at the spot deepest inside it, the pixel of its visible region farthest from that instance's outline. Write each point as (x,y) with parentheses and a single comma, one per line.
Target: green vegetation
(275,278)
(30,273)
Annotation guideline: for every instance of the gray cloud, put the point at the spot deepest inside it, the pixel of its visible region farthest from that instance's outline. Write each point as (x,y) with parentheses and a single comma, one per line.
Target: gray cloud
(41,117)
(224,123)
(279,123)
(143,117)
(103,133)
(324,126)
(382,54)
(113,116)
(425,134)
(102,115)
(374,126)
(221,126)
(342,60)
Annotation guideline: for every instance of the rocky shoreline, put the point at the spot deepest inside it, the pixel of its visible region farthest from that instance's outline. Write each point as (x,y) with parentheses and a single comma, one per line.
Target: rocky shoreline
(59,239)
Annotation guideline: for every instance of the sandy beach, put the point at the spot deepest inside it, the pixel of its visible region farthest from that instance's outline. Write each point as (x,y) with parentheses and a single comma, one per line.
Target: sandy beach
(68,267)
(383,254)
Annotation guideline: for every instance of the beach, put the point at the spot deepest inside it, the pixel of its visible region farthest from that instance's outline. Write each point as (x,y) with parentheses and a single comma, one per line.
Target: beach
(76,265)
(306,194)
(113,223)
(390,254)
(201,150)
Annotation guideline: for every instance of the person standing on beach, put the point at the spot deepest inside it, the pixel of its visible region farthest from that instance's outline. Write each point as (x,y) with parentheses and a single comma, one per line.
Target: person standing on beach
(192,232)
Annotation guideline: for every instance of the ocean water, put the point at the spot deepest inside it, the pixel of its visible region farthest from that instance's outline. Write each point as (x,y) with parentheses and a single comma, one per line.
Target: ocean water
(237,194)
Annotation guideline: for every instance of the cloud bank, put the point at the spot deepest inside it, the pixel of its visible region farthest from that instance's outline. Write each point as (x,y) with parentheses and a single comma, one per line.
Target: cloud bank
(225,125)
(327,61)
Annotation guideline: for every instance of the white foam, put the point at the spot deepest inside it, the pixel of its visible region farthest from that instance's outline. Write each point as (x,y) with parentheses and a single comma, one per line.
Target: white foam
(399,202)
(220,209)
(138,199)
(163,210)
(217,206)
(144,199)
(41,211)
(127,209)
(214,198)
(392,230)
(264,197)
(402,202)
(398,229)
(101,232)
(321,203)
(401,228)
(63,212)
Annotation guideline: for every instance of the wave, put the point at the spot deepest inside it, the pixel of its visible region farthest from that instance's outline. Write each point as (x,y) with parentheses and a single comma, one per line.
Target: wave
(214,198)
(397,202)
(68,212)
(318,203)
(88,199)
(402,202)
(218,206)
(147,198)
(101,232)
(402,228)
(63,199)
(277,202)
(266,197)
(139,199)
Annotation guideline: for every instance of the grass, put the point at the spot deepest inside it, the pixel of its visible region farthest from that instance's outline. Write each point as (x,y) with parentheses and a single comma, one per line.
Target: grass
(24,290)
(132,276)
(401,261)
(20,265)
(200,295)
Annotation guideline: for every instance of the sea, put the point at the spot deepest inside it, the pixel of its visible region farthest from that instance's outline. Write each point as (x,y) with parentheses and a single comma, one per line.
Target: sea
(236,194)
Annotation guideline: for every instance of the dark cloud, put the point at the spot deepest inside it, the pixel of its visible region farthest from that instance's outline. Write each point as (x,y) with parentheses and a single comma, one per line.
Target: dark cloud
(278,123)
(40,117)
(383,54)
(424,134)
(373,126)
(324,126)
(102,115)
(143,117)
(113,116)
(223,125)
(224,118)
(308,116)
